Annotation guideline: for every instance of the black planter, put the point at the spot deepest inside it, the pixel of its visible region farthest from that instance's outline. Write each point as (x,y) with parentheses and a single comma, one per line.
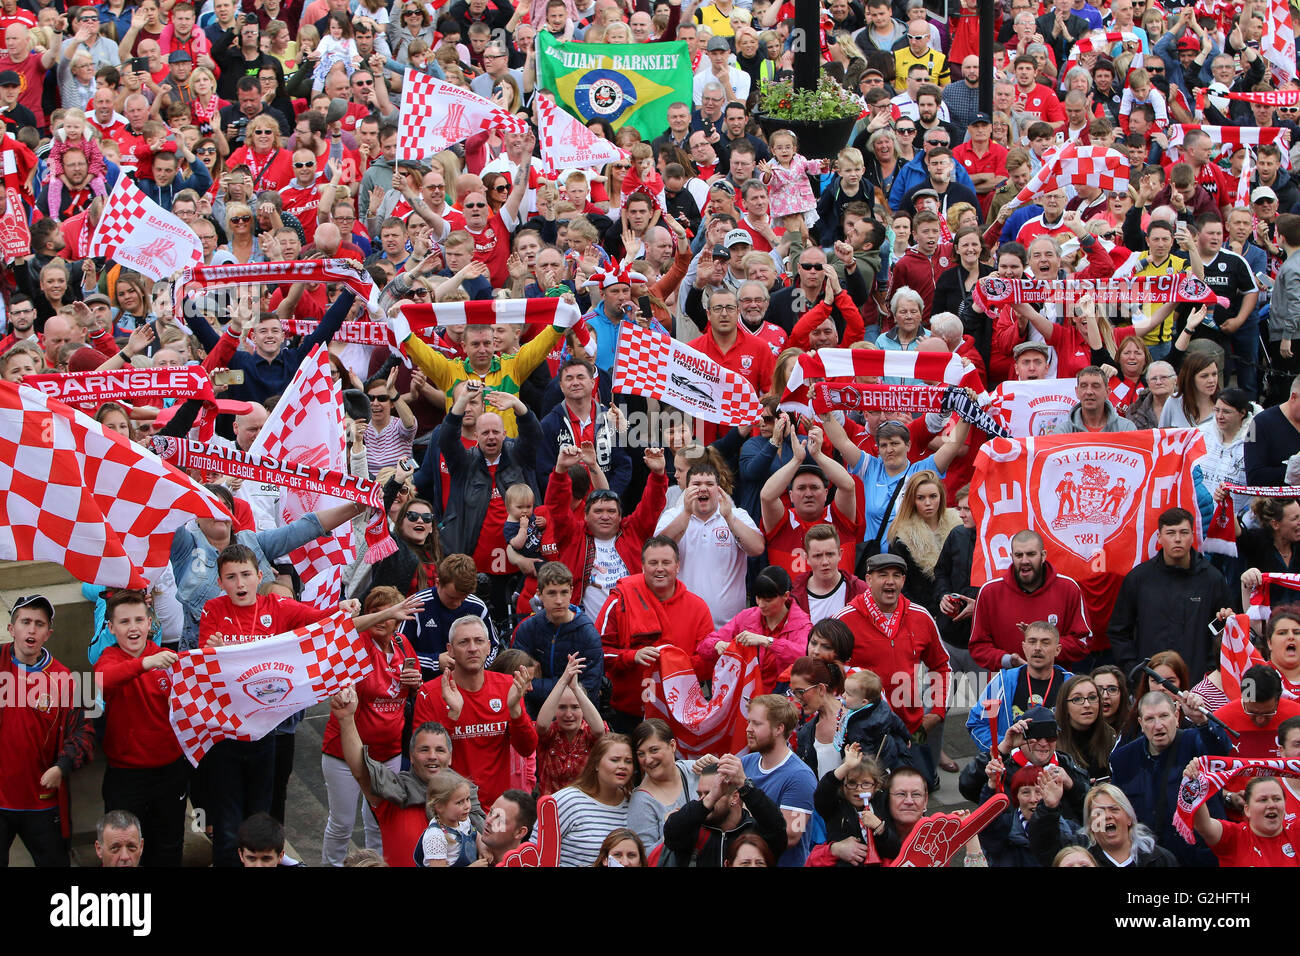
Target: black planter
(818,139)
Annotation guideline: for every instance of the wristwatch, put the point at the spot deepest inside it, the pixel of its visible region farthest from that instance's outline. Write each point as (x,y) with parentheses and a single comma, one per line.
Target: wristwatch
(745,788)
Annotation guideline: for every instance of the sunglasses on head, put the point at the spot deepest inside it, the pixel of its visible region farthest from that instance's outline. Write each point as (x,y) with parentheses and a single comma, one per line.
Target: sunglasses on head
(603,494)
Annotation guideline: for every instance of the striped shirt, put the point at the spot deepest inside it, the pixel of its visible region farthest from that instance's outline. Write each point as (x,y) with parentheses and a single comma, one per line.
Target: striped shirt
(584,824)
(389,446)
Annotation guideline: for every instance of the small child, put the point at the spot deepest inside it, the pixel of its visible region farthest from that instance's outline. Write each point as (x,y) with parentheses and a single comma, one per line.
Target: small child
(846,187)
(858,688)
(74,133)
(338,46)
(642,177)
(787,179)
(450,839)
(869,722)
(523,529)
(261,842)
(155,139)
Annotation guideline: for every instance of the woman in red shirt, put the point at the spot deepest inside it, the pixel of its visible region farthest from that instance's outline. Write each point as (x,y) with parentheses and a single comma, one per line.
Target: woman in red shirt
(268,164)
(381,712)
(568,726)
(1265,839)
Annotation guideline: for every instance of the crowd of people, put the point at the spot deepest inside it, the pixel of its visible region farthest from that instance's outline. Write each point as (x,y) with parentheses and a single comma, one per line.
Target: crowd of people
(545,554)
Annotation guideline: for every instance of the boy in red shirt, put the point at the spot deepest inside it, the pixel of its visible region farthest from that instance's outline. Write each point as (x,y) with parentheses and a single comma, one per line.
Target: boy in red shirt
(45,737)
(239,774)
(147,774)
(484,710)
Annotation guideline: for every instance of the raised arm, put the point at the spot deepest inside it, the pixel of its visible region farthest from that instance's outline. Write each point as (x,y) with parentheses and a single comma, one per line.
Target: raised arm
(846,493)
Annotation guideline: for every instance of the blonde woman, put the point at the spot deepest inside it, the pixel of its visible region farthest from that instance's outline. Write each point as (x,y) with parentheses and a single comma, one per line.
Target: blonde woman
(269,164)
(206,107)
(918,532)
(281,46)
(242,243)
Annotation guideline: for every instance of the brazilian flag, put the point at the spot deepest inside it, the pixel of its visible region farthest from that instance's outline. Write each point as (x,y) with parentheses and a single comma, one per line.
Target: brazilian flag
(625,84)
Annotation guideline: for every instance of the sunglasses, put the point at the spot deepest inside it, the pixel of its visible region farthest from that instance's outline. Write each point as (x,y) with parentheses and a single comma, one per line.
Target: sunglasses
(363,82)
(810,266)
(420,293)
(1155,69)
(475,205)
(382,398)
(626,166)
(304,165)
(906,130)
(419,517)
(936,142)
(261,132)
(240,220)
(436,186)
(501,188)
(206,149)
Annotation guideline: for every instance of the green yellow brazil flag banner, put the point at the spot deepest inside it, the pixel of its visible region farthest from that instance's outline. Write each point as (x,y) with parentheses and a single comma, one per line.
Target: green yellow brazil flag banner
(625,84)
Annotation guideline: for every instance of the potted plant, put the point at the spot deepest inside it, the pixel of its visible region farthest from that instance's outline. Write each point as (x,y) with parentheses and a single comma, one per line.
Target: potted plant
(822,117)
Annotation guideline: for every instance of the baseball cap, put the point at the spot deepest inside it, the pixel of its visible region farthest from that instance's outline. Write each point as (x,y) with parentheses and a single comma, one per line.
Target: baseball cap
(878,562)
(871,69)
(33,600)
(1042,724)
(180,56)
(1189,42)
(10,78)
(721,252)
(737,236)
(924,192)
(981,118)
(1261,193)
(718,43)
(1024,347)
(810,468)
(97,298)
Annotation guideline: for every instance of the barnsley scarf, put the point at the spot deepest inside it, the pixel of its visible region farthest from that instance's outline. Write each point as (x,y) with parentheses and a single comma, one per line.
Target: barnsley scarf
(850,363)
(886,624)
(1221,535)
(904,399)
(993,292)
(290,477)
(1261,603)
(88,390)
(354,333)
(1214,774)
(201,278)
(1271,98)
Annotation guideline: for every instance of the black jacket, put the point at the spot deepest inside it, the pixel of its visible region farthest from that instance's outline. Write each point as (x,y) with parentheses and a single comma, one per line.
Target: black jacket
(950,292)
(1009,842)
(952,575)
(687,827)
(471,483)
(841,819)
(1075,27)
(974,784)
(1164,608)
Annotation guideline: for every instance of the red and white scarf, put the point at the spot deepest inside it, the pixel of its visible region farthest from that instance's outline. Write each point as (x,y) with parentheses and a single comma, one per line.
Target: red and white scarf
(904,399)
(1221,535)
(1233,136)
(1096,40)
(186,454)
(418,316)
(1215,773)
(1261,601)
(1271,98)
(886,624)
(201,278)
(89,390)
(993,292)
(850,363)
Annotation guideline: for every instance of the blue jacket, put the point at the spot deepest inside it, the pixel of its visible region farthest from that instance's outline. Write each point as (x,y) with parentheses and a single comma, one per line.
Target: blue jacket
(606,337)
(200,180)
(1003,686)
(612,457)
(262,379)
(1139,775)
(913,174)
(551,644)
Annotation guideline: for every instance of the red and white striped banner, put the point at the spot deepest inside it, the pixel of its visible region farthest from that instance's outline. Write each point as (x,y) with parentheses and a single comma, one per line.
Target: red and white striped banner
(1277,44)
(1271,98)
(1074,165)
(1096,40)
(946,367)
(1232,136)
(714,725)
(1242,198)
(243,691)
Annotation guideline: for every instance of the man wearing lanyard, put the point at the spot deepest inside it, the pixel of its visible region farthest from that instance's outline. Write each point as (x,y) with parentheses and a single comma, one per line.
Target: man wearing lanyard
(1036,683)
(579,420)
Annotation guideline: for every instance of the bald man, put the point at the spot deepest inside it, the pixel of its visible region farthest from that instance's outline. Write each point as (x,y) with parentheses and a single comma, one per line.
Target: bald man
(327,240)
(58,333)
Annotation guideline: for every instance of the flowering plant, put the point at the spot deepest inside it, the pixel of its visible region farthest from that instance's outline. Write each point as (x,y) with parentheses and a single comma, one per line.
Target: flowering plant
(829,101)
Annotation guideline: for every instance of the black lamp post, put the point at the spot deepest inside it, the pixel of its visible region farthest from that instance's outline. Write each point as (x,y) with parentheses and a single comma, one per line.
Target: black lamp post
(807,45)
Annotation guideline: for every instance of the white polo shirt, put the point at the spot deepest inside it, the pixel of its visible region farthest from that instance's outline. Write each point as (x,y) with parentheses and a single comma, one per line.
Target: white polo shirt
(712,562)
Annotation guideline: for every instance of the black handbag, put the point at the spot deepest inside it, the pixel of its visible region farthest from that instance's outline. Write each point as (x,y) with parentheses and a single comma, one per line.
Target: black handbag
(871,548)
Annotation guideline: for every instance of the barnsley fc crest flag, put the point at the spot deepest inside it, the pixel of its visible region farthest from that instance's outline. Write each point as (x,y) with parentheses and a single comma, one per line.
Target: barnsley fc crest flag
(625,84)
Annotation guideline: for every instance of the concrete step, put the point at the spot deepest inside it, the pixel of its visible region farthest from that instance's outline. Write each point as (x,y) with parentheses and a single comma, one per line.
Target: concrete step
(73,618)
(28,576)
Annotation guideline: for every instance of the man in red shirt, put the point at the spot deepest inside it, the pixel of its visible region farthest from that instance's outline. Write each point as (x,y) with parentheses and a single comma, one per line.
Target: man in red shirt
(147,774)
(29,65)
(103,115)
(984,160)
(491,230)
(891,635)
(484,710)
(1033,97)
(733,347)
(397,796)
(645,612)
(304,197)
(808,476)
(45,738)
(240,773)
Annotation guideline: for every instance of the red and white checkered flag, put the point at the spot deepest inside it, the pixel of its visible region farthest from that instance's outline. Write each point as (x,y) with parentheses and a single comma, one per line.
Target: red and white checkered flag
(136,232)
(74,494)
(243,691)
(1278,40)
(1243,183)
(656,365)
(1074,165)
(307,428)
(435,114)
(567,143)
(1097,40)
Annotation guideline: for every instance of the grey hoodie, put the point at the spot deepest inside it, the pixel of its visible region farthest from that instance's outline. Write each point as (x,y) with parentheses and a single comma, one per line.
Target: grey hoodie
(379,174)
(1074,424)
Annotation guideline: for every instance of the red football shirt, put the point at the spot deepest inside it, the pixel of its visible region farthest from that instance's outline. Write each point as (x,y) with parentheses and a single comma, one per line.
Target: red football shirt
(302,203)
(785,542)
(489,553)
(401,829)
(1241,846)
(381,703)
(484,732)
(267,616)
(137,731)
(1042,103)
(492,248)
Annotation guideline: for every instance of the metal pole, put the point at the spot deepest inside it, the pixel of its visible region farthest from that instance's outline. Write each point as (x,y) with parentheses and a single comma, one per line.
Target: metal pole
(807,43)
(986,13)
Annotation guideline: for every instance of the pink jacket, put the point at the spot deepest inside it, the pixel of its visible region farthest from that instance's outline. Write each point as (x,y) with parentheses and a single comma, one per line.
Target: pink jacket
(790,643)
(789,189)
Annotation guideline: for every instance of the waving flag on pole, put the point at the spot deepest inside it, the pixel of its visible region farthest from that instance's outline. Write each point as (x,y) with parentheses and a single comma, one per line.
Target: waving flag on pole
(1278,41)
(74,494)
(656,365)
(243,691)
(1074,165)
(1236,654)
(435,114)
(567,143)
(1243,184)
(307,428)
(135,231)
(714,726)
(625,84)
